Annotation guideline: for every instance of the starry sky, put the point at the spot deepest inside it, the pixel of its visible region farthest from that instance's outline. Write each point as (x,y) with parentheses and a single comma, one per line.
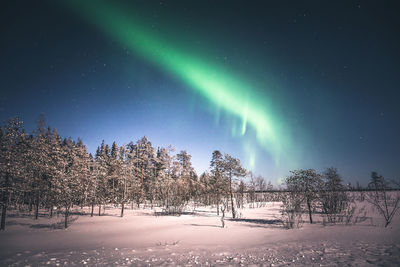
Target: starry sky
(279,84)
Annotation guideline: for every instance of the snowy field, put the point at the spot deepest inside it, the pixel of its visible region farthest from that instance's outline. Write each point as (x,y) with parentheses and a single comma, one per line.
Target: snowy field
(141,239)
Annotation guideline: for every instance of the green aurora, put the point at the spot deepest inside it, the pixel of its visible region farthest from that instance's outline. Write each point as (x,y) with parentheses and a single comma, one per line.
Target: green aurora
(222,88)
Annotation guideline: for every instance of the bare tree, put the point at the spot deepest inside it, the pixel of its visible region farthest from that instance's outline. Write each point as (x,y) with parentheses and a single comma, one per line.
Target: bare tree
(386,202)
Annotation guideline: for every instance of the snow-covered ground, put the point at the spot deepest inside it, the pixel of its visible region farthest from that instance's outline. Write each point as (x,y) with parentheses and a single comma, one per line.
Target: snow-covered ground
(141,239)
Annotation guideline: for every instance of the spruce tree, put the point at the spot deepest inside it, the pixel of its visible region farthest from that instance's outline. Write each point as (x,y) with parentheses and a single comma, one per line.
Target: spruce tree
(10,134)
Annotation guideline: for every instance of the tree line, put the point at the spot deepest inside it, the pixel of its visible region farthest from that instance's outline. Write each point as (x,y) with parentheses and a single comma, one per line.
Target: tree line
(43,171)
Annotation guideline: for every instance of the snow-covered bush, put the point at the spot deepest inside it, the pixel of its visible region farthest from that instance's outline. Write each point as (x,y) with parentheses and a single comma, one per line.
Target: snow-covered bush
(291,213)
(335,202)
(304,185)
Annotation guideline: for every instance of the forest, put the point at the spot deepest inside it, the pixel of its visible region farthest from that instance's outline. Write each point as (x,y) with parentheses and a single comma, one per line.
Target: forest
(43,171)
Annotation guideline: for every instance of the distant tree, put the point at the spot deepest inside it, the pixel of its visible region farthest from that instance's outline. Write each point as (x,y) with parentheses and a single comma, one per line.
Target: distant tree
(305,183)
(270,187)
(261,184)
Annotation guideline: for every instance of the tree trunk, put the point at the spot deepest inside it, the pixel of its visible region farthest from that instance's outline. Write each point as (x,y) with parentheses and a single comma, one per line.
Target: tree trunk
(3,216)
(66,217)
(142,174)
(4,211)
(122,209)
(91,212)
(51,211)
(309,210)
(30,202)
(230,189)
(223,218)
(5,204)
(37,205)
(166,202)
(99,209)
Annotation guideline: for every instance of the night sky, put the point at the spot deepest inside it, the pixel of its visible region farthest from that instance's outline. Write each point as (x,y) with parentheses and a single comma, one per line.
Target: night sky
(280,85)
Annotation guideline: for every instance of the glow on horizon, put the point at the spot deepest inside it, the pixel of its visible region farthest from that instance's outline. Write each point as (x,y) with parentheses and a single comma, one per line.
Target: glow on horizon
(221,88)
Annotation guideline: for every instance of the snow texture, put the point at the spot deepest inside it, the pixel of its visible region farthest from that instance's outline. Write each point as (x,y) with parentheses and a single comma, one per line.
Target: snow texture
(196,238)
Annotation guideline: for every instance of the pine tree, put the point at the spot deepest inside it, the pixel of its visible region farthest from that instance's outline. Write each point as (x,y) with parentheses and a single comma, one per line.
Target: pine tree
(217,181)
(55,163)
(164,170)
(124,180)
(144,163)
(92,186)
(205,188)
(233,168)
(114,171)
(10,134)
(186,174)
(40,165)
(101,173)
(82,167)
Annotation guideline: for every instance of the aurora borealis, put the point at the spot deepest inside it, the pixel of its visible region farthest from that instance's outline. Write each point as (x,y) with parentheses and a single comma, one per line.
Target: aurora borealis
(201,74)
(305,86)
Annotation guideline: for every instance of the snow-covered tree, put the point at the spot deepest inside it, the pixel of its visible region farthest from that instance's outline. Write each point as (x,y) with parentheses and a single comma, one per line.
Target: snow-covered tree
(205,188)
(101,173)
(218,183)
(10,135)
(186,174)
(305,184)
(334,200)
(233,169)
(143,161)
(164,170)
(40,165)
(124,178)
